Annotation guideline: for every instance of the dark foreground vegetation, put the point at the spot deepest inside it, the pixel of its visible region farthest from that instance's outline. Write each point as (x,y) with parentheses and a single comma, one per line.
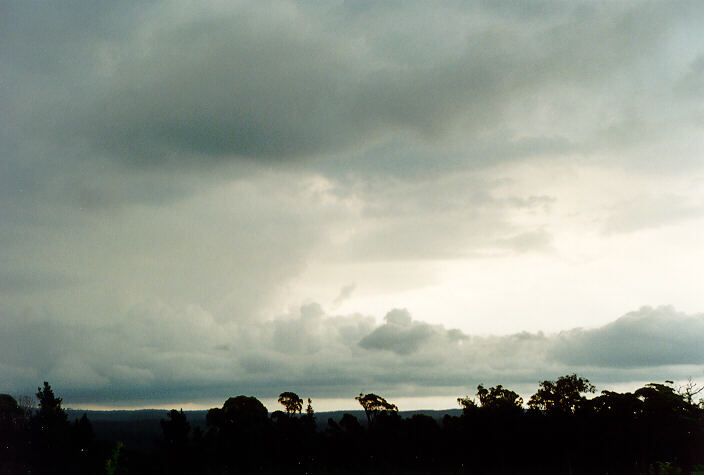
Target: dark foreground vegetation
(657,429)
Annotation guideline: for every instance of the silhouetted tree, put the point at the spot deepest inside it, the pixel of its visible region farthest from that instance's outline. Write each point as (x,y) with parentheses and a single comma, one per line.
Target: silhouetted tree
(563,395)
(50,432)
(489,424)
(295,438)
(309,420)
(27,404)
(424,441)
(350,424)
(656,429)
(175,429)
(13,424)
(244,410)
(374,405)
(114,465)
(51,414)
(87,458)
(10,411)
(345,444)
(613,431)
(468,405)
(499,398)
(177,453)
(240,431)
(279,416)
(560,401)
(672,425)
(309,409)
(291,402)
(689,390)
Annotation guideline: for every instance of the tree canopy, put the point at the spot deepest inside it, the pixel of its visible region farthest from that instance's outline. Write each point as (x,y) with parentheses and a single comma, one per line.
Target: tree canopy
(498,398)
(374,405)
(565,395)
(10,411)
(50,410)
(291,402)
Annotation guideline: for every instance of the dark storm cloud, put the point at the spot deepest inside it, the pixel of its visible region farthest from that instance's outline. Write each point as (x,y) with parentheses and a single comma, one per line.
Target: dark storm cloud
(176,83)
(645,338)
(278,93)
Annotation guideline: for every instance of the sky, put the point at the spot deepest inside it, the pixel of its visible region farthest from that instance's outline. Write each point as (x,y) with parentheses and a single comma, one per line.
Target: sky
(205,199)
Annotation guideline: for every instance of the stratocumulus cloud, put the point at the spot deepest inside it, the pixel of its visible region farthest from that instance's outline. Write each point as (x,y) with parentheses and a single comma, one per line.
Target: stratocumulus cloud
(195,357)
(648,337)
(168,84)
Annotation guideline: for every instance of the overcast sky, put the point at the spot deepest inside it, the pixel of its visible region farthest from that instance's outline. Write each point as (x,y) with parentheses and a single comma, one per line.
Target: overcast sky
(204,199)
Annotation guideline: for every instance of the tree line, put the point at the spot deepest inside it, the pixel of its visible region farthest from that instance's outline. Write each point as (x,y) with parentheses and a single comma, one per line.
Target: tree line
(657,429)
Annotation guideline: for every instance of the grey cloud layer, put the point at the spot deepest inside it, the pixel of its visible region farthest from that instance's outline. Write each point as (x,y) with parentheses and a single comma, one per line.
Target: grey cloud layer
(175,83)
(410,90)
(400,335)
(649,337)
(158,353)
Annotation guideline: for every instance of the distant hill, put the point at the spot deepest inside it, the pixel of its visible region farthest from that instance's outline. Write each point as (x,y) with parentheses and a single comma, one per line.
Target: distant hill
(130,415)
(197,416)
(140,429)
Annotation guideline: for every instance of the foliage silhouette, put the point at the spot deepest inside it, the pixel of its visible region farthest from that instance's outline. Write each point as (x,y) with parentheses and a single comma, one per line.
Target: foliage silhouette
(309,409)
(51,414)
(10,411)
(499,398)
(239,433)
(563,395)
(291,402)
(114,464)
(656,429)
(12,434)
(50,431)
(176,429)
(468,404)
(374,405)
